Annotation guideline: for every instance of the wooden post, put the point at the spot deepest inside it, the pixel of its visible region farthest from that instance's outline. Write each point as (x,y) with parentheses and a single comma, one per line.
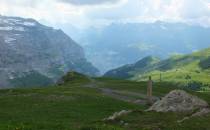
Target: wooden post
(160,77)
(149,90)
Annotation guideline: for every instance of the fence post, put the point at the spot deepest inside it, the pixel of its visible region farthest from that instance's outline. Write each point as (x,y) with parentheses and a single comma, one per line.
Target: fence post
(160,77)
(149,90)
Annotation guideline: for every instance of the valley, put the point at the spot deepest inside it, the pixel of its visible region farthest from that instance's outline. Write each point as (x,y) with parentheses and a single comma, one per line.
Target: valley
(117,44)
(104,65)
(46,87)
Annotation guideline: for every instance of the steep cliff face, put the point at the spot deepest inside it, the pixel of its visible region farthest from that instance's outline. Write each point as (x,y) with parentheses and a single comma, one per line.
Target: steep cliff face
(27,47)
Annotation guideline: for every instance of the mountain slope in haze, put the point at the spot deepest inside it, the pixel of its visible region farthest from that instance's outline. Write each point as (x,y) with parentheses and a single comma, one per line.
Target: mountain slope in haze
(128,71)
(118,44)
(28,48)
(189,70)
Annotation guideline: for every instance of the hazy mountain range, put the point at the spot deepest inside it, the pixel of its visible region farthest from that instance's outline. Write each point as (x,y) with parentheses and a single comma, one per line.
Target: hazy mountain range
(30,50)
(118,44)
(34,54)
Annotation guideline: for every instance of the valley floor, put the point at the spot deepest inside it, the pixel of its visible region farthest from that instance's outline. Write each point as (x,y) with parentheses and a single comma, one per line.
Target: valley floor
(83,106)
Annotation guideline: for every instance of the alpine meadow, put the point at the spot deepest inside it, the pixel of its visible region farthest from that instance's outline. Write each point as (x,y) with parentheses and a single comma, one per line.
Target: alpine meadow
(104,65)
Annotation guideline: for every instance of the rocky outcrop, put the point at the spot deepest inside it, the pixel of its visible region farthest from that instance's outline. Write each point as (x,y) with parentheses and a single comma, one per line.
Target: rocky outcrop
(179,101)
(117,115)
(26,45)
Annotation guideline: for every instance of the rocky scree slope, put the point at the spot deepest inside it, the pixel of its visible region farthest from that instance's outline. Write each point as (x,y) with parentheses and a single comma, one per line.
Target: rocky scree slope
(28,48)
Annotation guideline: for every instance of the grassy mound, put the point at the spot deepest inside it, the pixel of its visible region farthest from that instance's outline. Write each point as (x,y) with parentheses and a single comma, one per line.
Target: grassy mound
(72,77)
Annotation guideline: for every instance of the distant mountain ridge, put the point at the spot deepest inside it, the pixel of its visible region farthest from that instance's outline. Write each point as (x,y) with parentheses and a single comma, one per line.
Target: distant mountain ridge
(192,70)
(118,44)
(30,48)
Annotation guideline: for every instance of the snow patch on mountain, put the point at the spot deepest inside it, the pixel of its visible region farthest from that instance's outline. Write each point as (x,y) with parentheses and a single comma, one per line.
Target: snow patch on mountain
(28,48)
(6,28)
(10,28)
(9,39)
(29,23)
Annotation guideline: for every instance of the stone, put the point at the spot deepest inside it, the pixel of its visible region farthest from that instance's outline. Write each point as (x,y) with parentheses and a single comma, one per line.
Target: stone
(178,101)
(117,115)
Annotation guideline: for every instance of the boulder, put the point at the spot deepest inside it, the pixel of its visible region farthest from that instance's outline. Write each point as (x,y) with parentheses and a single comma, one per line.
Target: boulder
(179,101)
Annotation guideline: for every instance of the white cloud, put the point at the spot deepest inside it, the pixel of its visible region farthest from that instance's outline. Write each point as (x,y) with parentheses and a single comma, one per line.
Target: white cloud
(88,2)
(96,12)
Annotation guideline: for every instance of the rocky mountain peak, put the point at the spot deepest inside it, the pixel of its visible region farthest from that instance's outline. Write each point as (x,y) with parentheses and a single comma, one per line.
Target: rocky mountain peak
(27,46)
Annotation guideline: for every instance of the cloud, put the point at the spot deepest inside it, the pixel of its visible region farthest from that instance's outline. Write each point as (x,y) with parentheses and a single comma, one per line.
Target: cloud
(125,10)
(188,11)
(50,11)
(83,13)
(89,2)
(195,8)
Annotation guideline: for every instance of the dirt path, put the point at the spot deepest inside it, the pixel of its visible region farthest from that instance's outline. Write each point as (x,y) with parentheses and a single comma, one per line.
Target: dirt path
(132,97)
(127,96)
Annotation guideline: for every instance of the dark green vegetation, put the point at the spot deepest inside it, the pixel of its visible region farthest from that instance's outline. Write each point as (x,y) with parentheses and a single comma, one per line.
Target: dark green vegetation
(31,79)
(205,64)
(191,70)
(73,77)
(79,104)
(127,71)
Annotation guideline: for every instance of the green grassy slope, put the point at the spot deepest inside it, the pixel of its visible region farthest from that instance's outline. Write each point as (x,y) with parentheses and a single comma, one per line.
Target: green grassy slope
(67,107)
(73,77)
(74,106)
(128,71)
(188,70)
(140,120)
(191,70)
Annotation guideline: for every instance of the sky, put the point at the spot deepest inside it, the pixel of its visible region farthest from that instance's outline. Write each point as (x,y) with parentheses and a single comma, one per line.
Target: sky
(85,13)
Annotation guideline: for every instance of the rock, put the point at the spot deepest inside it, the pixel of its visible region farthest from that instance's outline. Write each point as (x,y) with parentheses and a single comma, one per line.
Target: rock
(117,115)
(202,112)
(178,101)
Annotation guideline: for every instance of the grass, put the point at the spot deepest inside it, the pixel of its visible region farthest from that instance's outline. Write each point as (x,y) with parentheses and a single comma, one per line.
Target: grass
(140,120)
(159,89)
(191,71)
(72,106)
(190,75)
(163,121)
(66,107)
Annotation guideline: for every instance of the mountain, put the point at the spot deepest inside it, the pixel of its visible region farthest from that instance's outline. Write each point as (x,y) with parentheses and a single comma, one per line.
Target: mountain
(192,70)
(127,71)
(118,44)
(30,49)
